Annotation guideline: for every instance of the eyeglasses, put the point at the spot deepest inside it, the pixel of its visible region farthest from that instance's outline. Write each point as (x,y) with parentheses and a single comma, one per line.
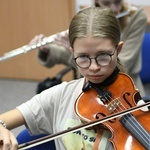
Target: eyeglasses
(102,60)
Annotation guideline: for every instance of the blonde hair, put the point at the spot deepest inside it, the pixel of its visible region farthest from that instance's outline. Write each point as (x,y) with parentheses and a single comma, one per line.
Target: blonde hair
(95,22)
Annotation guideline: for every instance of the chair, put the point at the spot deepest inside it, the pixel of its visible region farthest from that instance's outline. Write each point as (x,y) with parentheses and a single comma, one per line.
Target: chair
(25,137)
(145,72)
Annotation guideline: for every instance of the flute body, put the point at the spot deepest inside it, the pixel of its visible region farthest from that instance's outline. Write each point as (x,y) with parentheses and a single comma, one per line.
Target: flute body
(24,49)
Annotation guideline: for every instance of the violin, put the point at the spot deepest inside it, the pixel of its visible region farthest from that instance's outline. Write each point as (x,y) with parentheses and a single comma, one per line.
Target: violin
(128,132)
(111,109)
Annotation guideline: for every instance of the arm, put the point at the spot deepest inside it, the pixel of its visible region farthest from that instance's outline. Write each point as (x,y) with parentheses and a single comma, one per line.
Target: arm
(130,54)
(12,119)
(54,53)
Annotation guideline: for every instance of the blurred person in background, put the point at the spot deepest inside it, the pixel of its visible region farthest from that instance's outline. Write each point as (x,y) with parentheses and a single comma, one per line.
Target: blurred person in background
(132,31)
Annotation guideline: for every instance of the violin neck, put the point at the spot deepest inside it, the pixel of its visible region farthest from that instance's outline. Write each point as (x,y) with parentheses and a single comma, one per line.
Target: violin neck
(136,129)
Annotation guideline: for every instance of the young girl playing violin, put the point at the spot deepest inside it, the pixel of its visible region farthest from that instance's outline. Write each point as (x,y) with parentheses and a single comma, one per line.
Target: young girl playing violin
(94,36)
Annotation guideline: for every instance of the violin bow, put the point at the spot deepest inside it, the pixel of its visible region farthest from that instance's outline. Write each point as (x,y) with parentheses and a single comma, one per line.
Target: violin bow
(48,138)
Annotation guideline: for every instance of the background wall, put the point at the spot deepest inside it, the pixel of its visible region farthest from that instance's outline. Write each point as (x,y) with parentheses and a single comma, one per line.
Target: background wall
(80,3)
(20,21)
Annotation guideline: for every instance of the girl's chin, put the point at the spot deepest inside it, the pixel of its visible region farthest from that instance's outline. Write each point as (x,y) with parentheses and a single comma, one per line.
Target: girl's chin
(96,81)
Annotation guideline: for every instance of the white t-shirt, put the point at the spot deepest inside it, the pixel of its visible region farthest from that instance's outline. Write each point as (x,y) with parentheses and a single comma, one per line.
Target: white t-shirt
(52,111)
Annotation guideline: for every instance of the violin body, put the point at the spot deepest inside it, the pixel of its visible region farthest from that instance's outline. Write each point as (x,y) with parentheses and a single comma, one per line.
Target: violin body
(119,96)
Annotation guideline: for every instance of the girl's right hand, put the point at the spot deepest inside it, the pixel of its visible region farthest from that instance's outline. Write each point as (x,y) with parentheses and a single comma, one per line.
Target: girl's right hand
(7,140)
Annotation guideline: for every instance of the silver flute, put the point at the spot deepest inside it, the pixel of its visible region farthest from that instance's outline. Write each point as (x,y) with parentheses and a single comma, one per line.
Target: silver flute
(47,40)
(26,48)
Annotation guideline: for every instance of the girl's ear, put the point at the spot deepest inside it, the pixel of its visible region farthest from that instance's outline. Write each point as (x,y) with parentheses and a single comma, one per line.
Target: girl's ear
(119,47)
(71,49)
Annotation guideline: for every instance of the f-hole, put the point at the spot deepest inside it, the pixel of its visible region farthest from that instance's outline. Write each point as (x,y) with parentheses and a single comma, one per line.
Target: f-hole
(100,115)
(127,94)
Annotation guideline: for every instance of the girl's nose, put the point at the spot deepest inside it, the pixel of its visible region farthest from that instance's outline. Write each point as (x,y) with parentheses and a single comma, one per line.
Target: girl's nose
(94,66)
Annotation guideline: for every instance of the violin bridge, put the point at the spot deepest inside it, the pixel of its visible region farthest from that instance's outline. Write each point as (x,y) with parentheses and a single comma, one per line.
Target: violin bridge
(113,105)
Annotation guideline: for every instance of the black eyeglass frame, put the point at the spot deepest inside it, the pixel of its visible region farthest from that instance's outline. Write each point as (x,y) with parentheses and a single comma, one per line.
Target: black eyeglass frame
(96,59)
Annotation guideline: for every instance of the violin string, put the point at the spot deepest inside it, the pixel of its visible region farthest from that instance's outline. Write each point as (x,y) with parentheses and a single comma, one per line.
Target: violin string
(143,135)
(116,110)
(137,128)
